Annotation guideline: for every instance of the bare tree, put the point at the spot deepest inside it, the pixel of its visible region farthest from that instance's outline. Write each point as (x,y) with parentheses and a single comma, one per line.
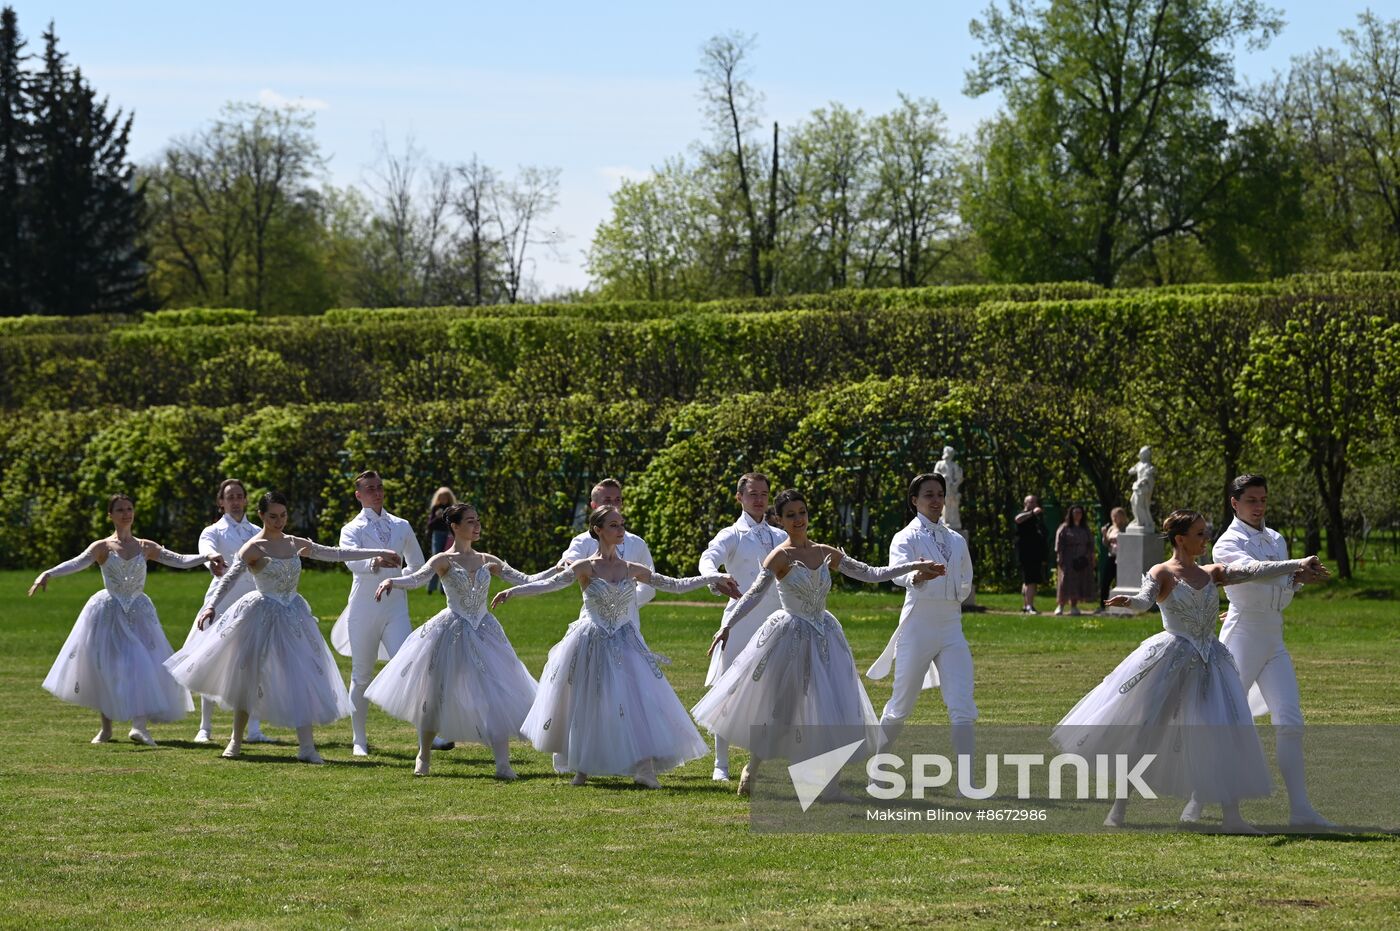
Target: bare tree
(516,208)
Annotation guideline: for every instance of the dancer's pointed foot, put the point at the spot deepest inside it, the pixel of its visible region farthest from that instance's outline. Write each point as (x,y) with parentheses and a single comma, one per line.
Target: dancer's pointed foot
(202,736)
(310,756)
(1117,815)
(421,765)
(359,750)
(104,736)
(505,773)
(234,750)
(1191,814)
(579,779)
(721,774)
(745,780)
(139,735)
(258,737)
(1311,818)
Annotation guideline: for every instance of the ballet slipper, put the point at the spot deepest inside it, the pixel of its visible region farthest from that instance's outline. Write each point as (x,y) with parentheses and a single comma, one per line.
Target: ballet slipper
(421,765)
(746,780)
(202,736)
(233,751)
(138,736)
(579,779)
(104,736)
(505,773)
(1117,815)
(310,756)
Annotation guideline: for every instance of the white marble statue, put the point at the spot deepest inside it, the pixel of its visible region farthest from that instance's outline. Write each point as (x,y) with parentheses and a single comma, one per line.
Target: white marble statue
(953,475)
(1144,475)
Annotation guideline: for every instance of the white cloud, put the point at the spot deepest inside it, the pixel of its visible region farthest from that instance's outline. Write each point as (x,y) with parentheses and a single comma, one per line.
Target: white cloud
(270,98)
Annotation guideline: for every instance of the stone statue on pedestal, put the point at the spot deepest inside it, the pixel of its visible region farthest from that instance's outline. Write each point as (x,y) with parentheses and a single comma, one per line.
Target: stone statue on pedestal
(953,475)
(1144,478)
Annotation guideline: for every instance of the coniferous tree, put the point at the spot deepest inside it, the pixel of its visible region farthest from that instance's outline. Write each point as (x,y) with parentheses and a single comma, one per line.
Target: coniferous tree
(14,128)
(86,212)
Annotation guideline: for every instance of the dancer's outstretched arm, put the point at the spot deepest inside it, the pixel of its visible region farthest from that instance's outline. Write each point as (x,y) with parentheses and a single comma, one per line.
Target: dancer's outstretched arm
(1145,598)
(514,576)
(1252,570)
(415,579)
(743,606)
(179,560)
(338,553)
(78,563)
(666,583)
(554,583)
(855,569)
(213,600)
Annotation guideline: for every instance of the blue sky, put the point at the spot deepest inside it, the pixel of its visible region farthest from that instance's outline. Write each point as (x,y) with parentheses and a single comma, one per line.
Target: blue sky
(602,94)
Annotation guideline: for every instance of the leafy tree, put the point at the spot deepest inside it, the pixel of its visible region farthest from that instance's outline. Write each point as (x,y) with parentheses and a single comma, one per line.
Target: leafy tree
(1111,137)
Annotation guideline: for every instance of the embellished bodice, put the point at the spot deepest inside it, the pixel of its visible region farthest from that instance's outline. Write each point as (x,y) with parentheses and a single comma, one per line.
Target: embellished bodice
(278,577)
(802,592)
(1192,613)
(610,605)
(467,592)
(124,579)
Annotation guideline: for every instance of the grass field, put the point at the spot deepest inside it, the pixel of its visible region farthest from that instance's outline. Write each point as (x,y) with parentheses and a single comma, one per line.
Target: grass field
(121,835)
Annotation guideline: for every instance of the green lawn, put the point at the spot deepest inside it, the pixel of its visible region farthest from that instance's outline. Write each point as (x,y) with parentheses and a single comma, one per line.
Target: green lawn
(116,834)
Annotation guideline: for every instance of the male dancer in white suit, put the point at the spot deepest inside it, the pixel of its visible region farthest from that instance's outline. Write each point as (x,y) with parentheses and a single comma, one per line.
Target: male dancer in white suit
(928,649)
(225,537)
(1253,633)
(608,493)
(740,548)
(369,630)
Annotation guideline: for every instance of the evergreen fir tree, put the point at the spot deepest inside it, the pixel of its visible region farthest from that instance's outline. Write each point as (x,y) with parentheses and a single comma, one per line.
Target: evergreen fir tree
(86,210)
(14,128)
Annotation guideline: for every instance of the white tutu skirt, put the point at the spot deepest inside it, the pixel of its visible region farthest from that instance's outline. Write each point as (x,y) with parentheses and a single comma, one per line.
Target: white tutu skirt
(1191,712)
(112,662)
(604,706)
(462,682)
(792,693)
(269,659)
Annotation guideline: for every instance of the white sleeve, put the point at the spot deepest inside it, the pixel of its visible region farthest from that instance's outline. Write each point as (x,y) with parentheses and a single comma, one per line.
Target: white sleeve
(416,579)
(1228,550)
(226,581)
(965,577)
(575,550)
(900,554)
(412,551)
(855,569)
(1251,570)
(349,540)
(719,552)
(76,564)
(645,592)
(1146,596)
(209,543)
(688,584)
(515,577)
(342,553)
(166,558)
(751,597)
(555,583)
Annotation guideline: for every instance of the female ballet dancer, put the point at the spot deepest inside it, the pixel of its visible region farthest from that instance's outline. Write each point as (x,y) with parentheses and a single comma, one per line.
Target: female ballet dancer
(604,707)
(796,679)
(457,675)
(112,659)
(266,656)
(1179,695)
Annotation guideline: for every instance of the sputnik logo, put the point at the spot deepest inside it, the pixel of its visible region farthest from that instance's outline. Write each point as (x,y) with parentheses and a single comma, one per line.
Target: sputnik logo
(811,777)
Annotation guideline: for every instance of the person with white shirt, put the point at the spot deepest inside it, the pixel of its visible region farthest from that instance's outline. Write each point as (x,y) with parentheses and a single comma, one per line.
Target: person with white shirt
(369,630)
(1253,633)
(608,493)
(928,649)
(225,537)
(740,550)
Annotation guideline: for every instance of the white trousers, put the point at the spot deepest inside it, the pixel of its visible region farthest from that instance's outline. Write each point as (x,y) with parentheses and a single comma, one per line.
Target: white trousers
(940,641)
(1255,639)
(367,631)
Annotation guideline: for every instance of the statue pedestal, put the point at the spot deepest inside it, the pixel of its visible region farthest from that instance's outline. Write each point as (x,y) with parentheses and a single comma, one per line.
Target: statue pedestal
(1139,549)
